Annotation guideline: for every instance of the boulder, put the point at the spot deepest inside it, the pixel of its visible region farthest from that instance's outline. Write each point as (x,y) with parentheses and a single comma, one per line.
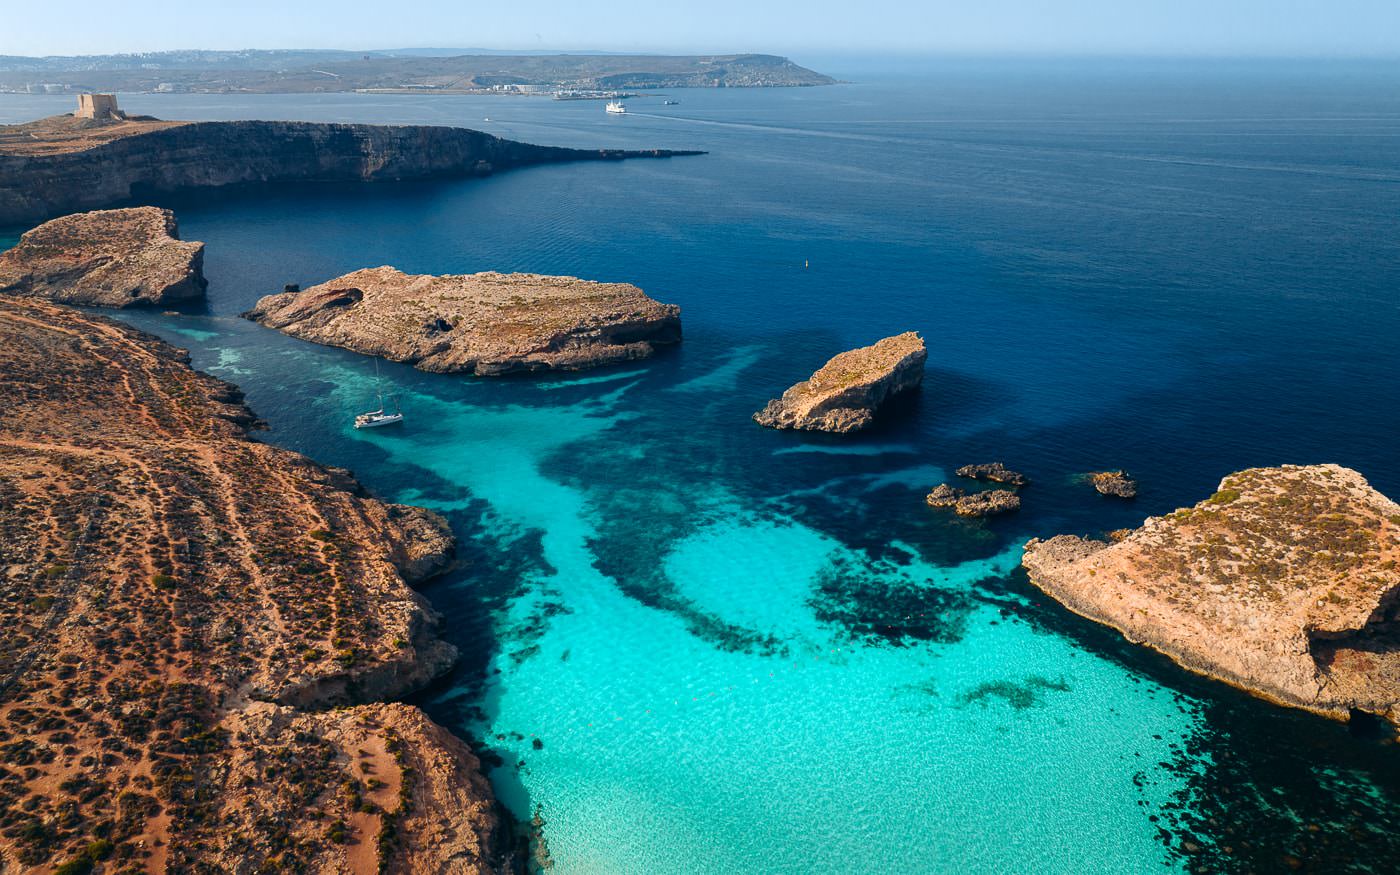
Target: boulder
(1114,483)
(844,395)
(996,472)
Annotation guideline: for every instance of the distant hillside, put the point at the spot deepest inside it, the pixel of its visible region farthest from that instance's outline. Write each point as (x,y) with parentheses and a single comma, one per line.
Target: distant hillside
(299,71)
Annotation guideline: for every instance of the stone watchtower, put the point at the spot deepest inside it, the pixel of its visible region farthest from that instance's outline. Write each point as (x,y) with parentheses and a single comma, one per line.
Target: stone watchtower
(100,107)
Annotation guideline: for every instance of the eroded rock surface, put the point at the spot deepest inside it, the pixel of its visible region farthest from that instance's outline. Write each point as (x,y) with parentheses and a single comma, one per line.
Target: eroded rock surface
(108,258)
(989,502)
(1284,583)
(1116,484)
(995,472)
(182,608)
(845,394)
(485,323)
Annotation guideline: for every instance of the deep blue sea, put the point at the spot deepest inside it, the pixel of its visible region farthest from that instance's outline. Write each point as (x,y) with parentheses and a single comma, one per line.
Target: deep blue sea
(692,645)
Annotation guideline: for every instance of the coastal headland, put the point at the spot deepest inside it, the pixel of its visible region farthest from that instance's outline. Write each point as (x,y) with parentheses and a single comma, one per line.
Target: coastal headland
(65,164)
(1283,583)
(204,634)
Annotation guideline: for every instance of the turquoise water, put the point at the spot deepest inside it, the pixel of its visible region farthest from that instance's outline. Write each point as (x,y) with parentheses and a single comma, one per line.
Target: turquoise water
(692,645)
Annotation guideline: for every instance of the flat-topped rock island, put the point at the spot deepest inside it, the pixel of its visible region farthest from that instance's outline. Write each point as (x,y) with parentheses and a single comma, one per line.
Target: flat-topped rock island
(109,258)
(1283,583)
(485,324)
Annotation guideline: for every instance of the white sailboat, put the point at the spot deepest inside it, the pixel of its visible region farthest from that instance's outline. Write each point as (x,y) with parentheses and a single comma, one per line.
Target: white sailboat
(380,417)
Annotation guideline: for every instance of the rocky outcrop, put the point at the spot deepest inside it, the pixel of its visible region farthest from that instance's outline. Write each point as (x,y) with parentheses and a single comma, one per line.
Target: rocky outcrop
(197,629)
(109,258)
(1116,484)
(47,170)
(485,324)
(1283,583)
(995,472)
(844,395)
(990,502)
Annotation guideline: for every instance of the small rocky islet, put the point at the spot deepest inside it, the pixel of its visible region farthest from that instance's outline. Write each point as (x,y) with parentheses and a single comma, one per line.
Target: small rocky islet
(844,395)
(109,258)
(486,324)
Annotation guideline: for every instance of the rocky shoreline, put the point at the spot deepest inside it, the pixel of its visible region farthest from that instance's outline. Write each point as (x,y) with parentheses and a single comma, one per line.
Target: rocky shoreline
(203,631)
(486,324)
(61,165)
(1283,583)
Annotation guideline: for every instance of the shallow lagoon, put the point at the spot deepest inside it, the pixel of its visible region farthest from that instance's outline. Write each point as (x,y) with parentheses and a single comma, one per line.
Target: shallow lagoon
(741,650)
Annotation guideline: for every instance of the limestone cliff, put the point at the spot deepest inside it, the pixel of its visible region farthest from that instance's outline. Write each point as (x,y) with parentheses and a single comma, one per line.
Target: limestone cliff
(109,258)
(485,323)
(62,165)
(1284,583)
(844,395)
(182,608)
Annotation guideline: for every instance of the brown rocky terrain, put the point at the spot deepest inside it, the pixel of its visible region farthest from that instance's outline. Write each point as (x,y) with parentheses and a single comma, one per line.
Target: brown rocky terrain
(989,502)
(110,258)
(63,164)
(197,629)
(1285,583)
(844,395)
(485,324)
(1116,484)
(995,472)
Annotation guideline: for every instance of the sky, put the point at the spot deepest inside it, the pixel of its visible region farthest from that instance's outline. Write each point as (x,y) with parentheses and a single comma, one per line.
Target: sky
(1094,27)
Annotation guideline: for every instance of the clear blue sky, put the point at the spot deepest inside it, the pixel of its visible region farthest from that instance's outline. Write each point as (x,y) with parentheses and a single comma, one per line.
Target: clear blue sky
(1217,27)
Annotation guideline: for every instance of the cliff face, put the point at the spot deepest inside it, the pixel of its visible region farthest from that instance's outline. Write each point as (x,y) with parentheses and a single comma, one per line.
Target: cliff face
(1283,583)
(485,324)
(181,607)
(108,258)
(37,183)
(844,395)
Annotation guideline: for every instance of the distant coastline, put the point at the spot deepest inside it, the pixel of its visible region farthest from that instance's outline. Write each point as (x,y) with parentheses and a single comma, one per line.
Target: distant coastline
(304,72)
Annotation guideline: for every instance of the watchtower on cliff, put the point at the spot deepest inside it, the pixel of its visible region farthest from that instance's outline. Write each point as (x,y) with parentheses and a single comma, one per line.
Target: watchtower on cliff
(100,107)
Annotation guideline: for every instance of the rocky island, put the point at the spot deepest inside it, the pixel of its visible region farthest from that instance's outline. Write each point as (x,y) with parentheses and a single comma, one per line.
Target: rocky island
(108,258)
(845,393)
(485,324)
(988,502)
(202,633)
(1284,583)
(67,163)
(1115,484)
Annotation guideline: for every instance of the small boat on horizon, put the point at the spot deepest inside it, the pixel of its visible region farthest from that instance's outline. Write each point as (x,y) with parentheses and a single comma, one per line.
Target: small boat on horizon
(670,103)
(616,107)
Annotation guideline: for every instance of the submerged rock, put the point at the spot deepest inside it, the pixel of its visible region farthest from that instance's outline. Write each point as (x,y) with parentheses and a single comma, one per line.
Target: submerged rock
(995,472)
(484,324)
(1283,583)
(844,395)
(973,504)
(108,258)
(1114,483)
